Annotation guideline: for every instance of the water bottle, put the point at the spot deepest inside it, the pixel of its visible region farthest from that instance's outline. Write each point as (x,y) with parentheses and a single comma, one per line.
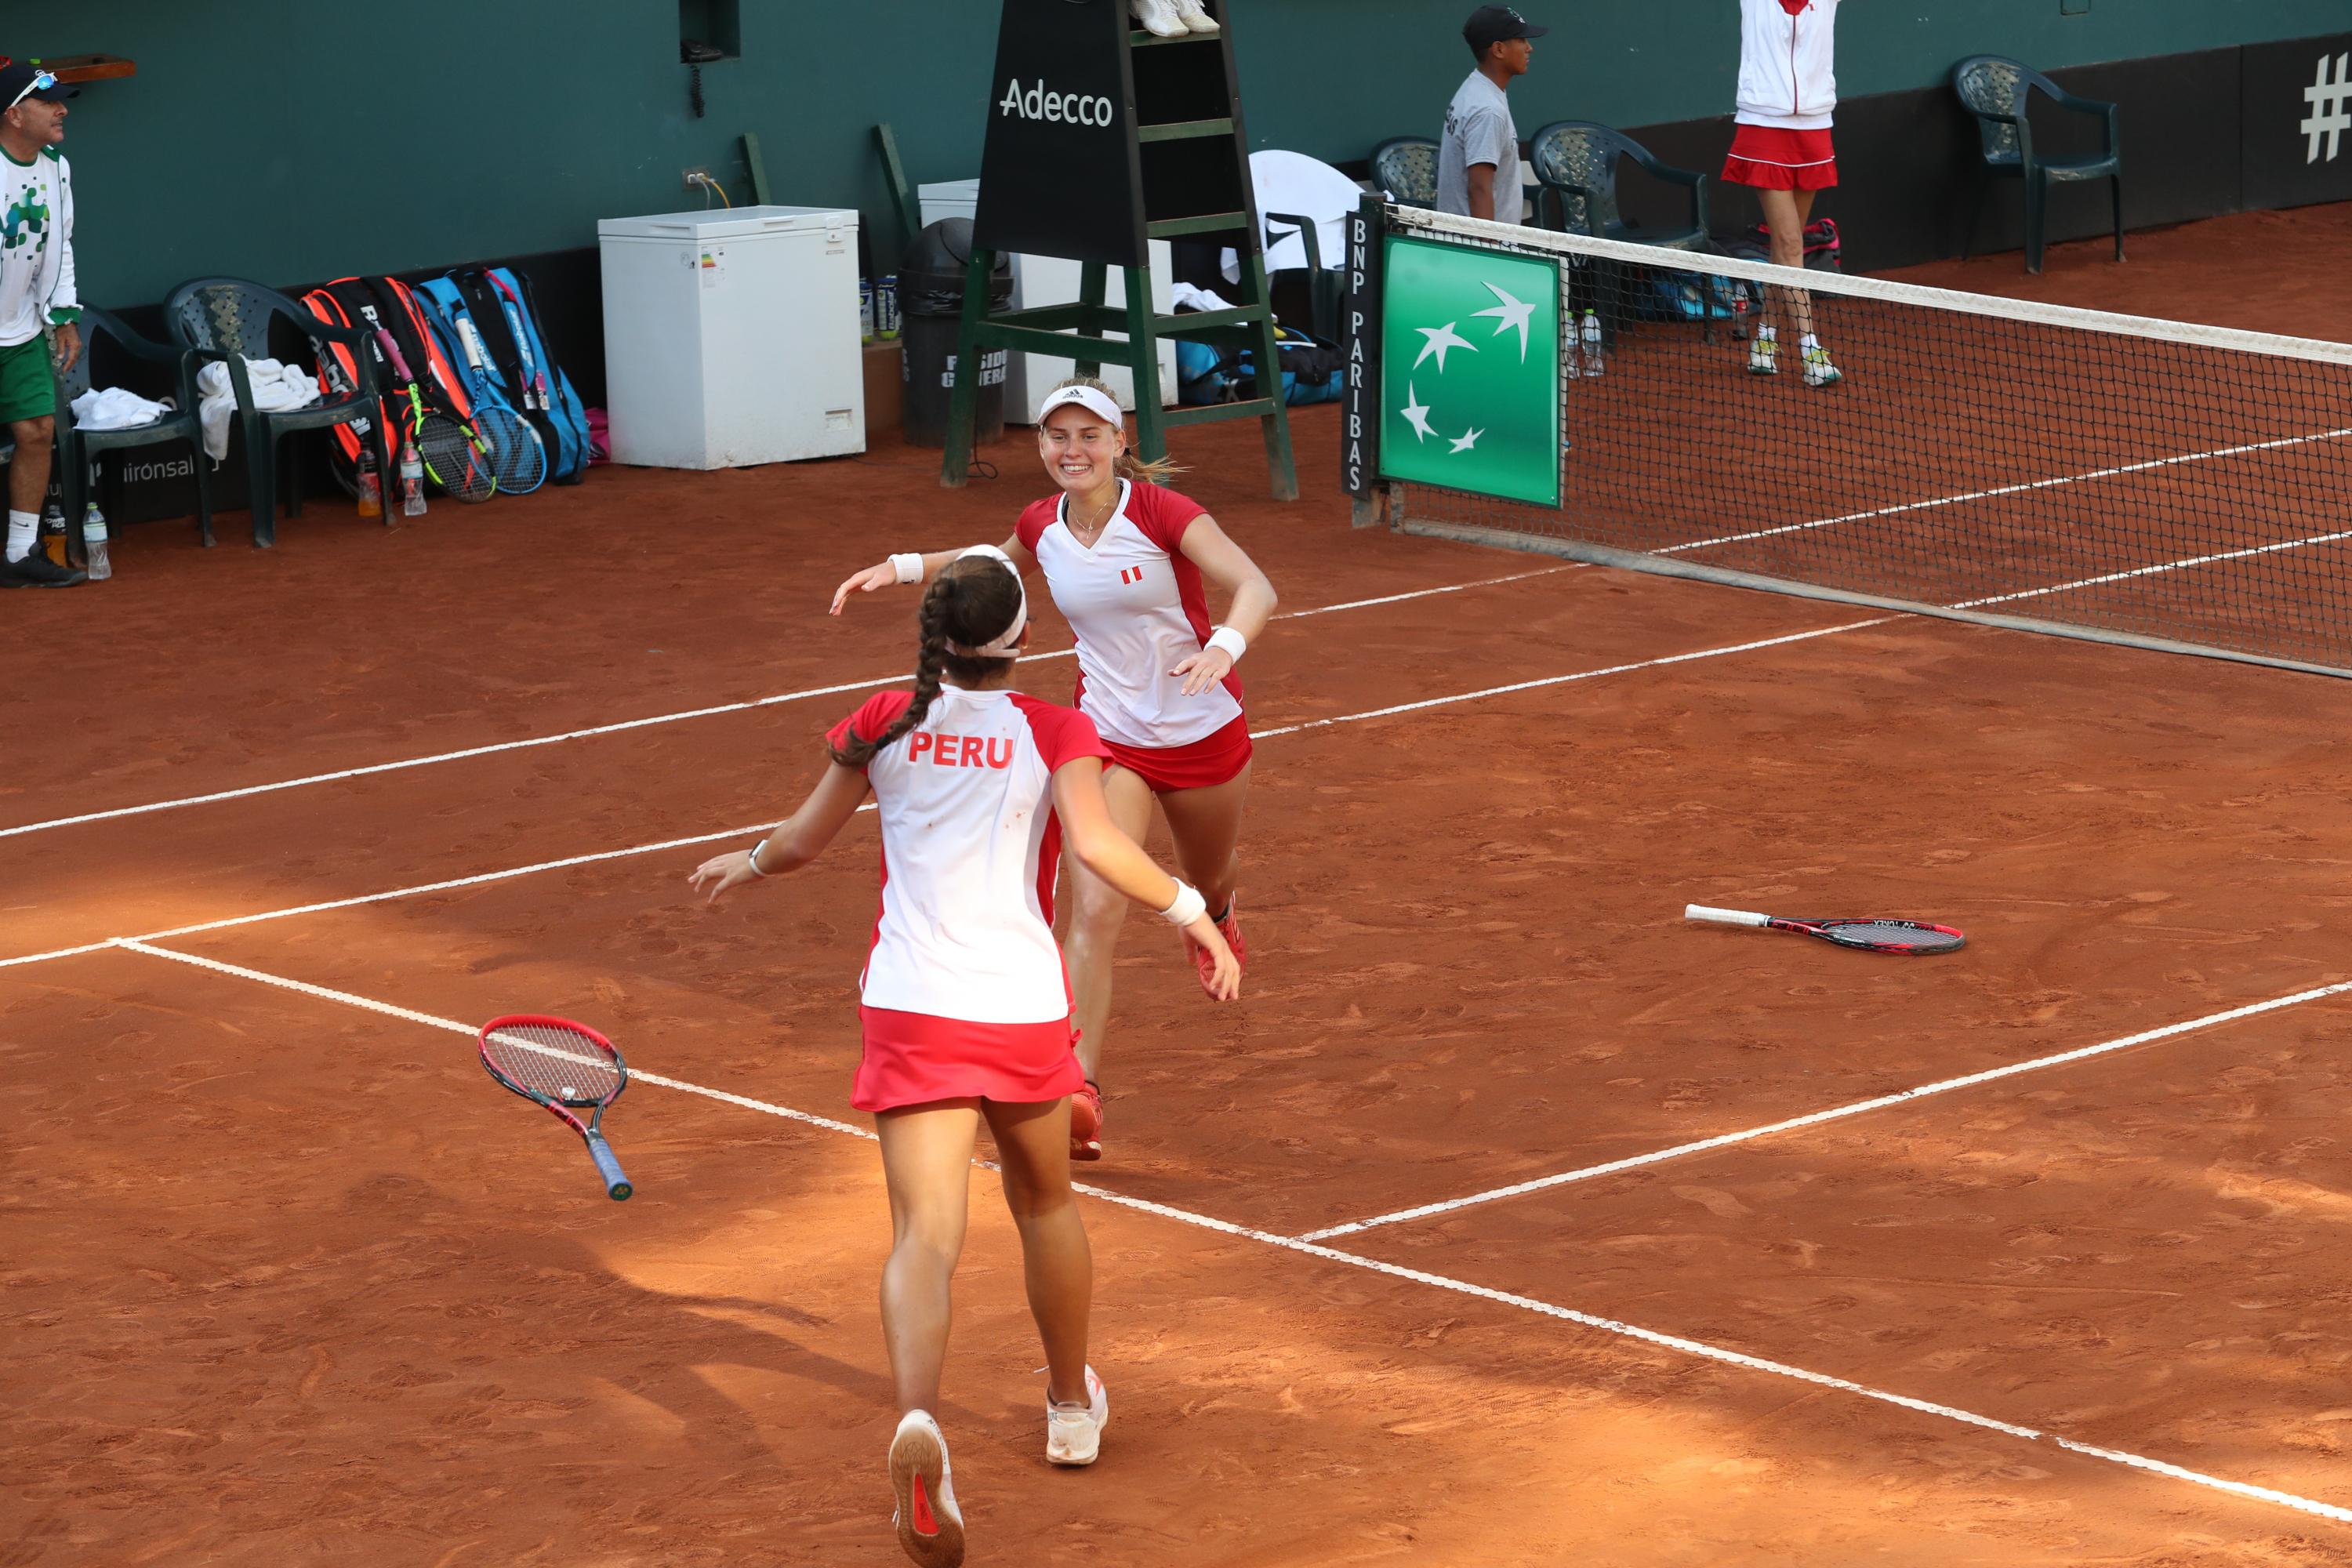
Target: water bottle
(886,307)
(1591,335)
(53,530)
(412,480)
(93,543)
(371,484)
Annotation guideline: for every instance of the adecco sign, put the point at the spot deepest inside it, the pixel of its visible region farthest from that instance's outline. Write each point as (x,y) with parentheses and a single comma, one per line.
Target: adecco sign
(1042,102)
(1061,175)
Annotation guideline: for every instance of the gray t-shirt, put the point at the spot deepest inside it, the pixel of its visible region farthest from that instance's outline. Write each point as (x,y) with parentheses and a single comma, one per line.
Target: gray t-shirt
(1478,130)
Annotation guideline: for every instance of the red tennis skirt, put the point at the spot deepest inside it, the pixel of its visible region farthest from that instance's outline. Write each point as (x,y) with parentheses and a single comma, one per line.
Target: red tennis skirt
(1214,759)
(914,1059)
(1775,158)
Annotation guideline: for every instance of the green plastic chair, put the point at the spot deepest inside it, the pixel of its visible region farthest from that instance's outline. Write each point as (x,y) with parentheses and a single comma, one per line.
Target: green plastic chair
(1406,169)
(77,448)
(1575,162)
(228,318)
(1996,91)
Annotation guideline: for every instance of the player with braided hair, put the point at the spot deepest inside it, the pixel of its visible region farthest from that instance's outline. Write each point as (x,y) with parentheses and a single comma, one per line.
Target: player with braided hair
(1128,561)
(966,1004)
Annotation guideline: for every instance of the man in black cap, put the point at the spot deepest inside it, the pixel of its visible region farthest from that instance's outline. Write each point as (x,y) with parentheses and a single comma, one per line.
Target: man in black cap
(36,299)
(1479,159)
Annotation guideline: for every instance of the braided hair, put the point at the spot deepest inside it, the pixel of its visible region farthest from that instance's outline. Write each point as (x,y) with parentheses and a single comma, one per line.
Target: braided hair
(970,603)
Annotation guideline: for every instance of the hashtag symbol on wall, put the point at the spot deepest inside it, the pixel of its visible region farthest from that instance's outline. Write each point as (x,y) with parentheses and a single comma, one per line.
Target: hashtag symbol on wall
(2330,97)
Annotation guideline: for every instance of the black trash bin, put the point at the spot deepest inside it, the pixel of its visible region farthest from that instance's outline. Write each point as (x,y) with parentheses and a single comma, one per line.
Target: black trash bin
(930,307)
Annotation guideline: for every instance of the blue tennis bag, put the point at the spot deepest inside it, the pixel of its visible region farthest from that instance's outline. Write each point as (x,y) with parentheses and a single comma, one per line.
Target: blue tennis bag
(498,303)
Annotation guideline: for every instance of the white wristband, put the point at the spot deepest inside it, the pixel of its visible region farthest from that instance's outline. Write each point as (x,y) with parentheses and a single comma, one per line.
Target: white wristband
(1188,906)
(1231,641)
(909,568)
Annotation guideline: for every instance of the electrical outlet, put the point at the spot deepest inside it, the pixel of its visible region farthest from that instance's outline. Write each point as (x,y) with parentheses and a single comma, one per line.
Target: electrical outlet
(696,177)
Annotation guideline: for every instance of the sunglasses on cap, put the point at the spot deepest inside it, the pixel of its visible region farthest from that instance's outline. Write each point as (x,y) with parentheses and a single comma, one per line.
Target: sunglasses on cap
(42,81)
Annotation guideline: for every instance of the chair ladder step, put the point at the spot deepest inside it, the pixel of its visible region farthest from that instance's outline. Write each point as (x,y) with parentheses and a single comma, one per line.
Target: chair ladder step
(1184,129)
(1204,223)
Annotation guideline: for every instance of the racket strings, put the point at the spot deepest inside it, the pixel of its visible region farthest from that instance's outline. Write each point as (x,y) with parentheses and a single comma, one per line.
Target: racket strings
(1894,934)
(457,465)
(558,1063)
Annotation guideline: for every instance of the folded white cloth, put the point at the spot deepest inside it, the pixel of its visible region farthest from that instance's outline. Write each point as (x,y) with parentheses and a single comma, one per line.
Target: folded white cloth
(1185,297)
(113,408)
(275,388)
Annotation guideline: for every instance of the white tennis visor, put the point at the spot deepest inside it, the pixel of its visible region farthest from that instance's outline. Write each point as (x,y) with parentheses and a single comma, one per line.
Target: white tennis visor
(1085,397)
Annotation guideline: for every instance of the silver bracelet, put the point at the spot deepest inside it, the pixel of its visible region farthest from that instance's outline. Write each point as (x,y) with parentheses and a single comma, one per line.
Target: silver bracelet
(753,859)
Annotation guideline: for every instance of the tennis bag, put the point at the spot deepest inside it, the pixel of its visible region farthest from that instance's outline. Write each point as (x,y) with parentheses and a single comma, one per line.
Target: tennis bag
(1312,371)
(499,303)
(385,303)
(518,451)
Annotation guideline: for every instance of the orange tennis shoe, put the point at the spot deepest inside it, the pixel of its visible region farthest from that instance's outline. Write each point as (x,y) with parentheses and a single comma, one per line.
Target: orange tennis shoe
(1229,925)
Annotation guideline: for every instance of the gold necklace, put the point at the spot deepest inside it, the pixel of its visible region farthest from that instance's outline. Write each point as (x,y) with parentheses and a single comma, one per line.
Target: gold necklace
(1096,525)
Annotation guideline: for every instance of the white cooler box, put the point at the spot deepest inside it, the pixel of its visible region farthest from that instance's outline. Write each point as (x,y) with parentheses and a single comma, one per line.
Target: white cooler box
(1051,280)
(731,337)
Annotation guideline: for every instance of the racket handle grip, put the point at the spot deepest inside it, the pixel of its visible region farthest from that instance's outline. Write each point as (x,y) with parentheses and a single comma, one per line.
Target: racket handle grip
(1725,917)
(617,1185)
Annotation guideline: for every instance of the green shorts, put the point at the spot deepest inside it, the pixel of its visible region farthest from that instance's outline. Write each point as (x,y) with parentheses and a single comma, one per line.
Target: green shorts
(25,390)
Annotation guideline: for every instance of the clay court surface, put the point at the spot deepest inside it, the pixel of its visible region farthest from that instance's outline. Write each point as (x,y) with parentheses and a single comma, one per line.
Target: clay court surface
(288,1280)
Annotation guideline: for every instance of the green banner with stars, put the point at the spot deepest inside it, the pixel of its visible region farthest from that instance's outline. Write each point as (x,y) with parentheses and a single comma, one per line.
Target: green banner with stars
(1470,370)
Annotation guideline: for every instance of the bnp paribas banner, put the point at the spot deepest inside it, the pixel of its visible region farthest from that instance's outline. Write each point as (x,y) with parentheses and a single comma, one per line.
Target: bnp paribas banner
(1470,370)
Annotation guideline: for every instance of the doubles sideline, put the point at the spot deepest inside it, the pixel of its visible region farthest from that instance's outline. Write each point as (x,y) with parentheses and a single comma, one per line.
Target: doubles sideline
(626,724)
(1695,1348)
(475,880)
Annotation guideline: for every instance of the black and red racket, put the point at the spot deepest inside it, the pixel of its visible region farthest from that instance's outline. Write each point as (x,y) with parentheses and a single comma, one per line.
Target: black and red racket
(1913,938)
(566,1067)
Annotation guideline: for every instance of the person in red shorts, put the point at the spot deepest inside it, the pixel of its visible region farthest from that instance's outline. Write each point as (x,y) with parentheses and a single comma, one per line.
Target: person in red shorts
(1127,560)
(1780,145)
(965,1004)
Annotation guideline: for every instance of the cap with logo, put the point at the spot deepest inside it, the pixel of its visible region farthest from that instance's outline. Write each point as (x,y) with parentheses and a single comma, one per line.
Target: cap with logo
(1493,24)
(20,80)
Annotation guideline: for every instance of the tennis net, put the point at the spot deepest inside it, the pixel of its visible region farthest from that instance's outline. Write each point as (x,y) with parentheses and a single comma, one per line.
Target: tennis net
(2120,478)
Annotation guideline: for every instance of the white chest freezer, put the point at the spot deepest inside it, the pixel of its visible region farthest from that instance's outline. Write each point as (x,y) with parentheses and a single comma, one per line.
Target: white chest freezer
(1052,280)
(731,337)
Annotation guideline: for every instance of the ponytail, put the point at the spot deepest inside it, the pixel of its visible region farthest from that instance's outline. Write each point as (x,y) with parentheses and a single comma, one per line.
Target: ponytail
(972,590)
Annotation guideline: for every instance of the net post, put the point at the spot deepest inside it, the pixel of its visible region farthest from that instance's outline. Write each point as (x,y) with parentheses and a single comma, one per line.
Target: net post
(1360,322)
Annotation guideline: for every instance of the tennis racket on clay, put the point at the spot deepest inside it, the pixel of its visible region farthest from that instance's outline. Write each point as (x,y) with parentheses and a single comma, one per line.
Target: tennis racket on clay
(566,1067)
(517,456)
(1910,938)
(456,457)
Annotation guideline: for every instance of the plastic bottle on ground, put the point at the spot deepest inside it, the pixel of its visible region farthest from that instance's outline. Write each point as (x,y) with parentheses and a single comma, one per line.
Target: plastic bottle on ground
(371,484)
(93,543)
(53,530)
(412,480)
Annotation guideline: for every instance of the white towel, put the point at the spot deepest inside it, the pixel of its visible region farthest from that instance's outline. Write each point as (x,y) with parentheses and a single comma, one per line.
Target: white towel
(275,388)
(113,408)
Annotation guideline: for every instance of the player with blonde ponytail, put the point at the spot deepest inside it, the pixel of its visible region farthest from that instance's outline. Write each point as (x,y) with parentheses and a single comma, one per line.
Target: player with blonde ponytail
(965,1004)
(1127,560)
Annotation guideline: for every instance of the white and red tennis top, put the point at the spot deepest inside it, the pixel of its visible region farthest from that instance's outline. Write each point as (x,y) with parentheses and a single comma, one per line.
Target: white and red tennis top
(1137,605)
(970,848)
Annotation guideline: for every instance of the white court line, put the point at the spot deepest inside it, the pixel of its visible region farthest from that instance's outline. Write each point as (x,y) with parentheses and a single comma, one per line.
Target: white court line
(1818,1118)
(624,724)
(480,877)
(1696,1348)
(2021,489)
(2152,571)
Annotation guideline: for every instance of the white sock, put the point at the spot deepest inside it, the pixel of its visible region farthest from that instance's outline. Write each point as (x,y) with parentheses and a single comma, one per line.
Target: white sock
(24,529)
(1808,341)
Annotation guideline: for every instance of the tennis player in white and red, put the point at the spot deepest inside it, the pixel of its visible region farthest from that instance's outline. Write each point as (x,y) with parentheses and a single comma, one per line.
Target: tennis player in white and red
(1780,147)
(1129,562)
(966,1007)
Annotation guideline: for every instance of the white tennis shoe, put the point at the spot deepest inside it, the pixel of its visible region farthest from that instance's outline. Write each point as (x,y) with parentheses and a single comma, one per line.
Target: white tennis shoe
(931,1526)
(1074,1433)
(1194,18)
(1764,354)
(1159,17)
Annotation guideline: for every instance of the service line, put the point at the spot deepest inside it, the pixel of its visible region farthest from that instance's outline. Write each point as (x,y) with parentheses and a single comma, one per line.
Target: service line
(1839,1113)
(1302,1247)
(728,832)
(625,724)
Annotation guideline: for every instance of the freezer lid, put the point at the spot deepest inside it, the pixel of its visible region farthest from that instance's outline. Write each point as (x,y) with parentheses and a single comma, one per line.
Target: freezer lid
(731,223)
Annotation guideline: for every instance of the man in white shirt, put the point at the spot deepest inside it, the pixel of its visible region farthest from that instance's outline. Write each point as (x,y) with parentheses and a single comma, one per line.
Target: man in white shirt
(36,297)
(1479,159)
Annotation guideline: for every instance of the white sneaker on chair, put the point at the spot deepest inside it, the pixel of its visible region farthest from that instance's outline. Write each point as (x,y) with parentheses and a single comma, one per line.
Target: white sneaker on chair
(931,1526)
(1074,1433)
(1195,18)
(1159,17)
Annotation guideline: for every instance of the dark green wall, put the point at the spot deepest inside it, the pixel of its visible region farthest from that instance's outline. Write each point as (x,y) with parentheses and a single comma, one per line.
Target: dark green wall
(302,140)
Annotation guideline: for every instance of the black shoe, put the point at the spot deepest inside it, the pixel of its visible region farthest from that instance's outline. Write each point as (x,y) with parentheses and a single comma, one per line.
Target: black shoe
(37,571)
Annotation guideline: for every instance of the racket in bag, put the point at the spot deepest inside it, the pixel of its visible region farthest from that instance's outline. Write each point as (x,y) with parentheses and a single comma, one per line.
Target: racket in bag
(517,452)
(388,305)
(504,312)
